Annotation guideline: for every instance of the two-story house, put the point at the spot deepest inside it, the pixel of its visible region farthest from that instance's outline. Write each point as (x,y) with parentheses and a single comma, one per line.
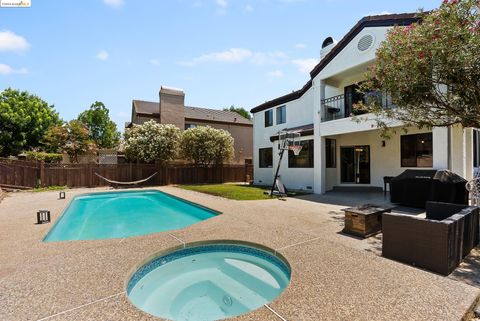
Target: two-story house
(171,109)
(338,151)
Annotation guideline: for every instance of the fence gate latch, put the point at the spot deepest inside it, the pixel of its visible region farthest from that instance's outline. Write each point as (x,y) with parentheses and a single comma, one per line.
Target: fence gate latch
(43,216)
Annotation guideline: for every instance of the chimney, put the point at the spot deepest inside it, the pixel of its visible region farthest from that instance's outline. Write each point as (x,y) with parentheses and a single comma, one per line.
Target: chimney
(172,106)
(327,45)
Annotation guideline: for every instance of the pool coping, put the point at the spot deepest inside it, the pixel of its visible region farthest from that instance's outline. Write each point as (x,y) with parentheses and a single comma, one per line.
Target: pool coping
(64,210)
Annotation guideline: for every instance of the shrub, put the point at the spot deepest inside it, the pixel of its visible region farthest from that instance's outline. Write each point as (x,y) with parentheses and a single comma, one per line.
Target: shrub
(205,145)
(151,142)
(43,156)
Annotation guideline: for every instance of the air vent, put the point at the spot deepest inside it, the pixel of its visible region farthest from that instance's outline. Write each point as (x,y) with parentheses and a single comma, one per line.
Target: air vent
(365,43)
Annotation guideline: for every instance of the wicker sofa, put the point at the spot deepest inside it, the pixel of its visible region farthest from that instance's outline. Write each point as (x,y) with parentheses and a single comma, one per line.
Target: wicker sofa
(438,242)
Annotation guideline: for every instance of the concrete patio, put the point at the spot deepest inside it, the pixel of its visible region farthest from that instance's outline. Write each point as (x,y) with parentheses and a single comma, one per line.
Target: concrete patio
(334,276)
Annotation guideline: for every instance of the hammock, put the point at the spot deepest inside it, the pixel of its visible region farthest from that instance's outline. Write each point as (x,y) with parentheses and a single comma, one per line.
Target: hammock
(126,183)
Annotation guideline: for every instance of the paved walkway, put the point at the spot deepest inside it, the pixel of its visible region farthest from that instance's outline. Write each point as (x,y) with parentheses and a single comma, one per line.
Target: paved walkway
(334,277)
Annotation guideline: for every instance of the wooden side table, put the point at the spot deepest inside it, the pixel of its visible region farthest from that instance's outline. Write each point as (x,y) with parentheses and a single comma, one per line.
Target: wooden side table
(364,220)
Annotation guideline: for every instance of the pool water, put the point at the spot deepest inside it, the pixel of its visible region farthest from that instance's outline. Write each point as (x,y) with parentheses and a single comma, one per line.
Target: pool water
(208,282)
(124,214)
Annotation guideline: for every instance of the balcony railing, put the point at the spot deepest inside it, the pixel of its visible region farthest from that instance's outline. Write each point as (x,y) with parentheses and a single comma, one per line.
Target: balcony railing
(333,108)
(341,106)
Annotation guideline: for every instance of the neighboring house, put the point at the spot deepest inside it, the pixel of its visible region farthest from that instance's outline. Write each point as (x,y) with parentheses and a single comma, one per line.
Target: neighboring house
(171,109)
(336,150)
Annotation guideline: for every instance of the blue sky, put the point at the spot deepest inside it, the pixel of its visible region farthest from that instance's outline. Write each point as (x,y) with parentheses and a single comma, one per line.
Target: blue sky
(221,52)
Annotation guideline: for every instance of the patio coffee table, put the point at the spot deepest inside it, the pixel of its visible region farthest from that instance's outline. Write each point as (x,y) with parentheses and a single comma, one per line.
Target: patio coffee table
(364,220)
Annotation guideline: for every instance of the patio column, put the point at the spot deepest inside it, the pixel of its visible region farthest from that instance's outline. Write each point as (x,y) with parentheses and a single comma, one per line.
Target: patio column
(319,142)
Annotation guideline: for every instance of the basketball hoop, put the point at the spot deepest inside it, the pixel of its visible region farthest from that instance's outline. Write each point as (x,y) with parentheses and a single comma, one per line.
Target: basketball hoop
(296,149)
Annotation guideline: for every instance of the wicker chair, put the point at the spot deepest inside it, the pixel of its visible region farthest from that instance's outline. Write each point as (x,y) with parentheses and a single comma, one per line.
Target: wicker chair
(438,242)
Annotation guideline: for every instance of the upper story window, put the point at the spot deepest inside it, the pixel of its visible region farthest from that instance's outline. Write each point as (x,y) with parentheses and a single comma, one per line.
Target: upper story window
(304,159)
(269,118)
(187,126)
(281,115)
(265,157)
(416,150)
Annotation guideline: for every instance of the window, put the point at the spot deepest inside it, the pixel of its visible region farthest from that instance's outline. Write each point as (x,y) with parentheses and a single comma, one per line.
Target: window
(187,126)
(304,159)
(330,153)
(281,115)
(416,150)
(269,118)
(265,157)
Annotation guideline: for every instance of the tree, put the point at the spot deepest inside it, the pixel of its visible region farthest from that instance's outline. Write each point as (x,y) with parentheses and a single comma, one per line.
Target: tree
(24,119)
(205,145)
(152,141)
(430,69)
(71,138)
(239,110)
(101,128)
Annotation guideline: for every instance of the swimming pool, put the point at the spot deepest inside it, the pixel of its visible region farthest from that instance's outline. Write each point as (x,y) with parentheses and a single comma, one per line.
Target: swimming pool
(124,214)
(208,282)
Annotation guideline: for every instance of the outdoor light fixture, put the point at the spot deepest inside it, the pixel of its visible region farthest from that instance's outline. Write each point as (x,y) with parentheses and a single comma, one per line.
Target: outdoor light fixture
(43,216)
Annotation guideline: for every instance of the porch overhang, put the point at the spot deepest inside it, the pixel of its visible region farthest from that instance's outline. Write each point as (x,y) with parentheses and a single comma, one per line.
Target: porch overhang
(304,130)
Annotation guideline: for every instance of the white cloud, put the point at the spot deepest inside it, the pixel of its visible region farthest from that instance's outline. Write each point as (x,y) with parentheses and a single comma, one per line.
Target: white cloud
(102,55)
(275,74)
(10,41)
(248,8)
(114,3)
(221,3)
(221,7)
(378,13)
(268,58)
(237,55)
(300,46)
(305,65)
(6,69)
(154,61)
(230,55)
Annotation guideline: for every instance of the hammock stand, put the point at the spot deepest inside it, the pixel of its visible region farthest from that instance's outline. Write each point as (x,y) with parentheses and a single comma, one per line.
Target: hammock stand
(117,183)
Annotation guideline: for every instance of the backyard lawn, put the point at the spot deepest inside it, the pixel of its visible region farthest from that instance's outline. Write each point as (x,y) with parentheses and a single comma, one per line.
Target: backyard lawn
(231,191)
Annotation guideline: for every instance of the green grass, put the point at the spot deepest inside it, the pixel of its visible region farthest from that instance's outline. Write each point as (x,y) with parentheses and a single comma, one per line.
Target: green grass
(49,188)
(231,191)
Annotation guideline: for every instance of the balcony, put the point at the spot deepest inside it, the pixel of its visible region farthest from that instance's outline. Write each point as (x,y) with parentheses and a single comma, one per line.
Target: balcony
(342,106)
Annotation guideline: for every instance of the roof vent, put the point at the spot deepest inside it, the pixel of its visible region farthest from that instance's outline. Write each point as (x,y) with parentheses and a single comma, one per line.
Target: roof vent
(365,42)
(327,45)
(327,42)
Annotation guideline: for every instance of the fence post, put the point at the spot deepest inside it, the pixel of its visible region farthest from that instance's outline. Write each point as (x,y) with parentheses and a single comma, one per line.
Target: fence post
(90,175)
(42,173)
(130,171)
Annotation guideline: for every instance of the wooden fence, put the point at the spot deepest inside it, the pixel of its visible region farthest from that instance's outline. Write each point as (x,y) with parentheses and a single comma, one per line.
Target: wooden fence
(22,174)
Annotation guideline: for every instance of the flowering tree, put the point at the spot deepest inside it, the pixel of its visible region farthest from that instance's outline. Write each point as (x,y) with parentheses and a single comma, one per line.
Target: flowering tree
(431,69)
(205,145)
(71,138)
(151,141)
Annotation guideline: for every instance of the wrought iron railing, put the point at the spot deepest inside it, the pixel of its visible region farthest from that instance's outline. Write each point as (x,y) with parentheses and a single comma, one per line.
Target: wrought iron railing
(333,108)
(342,106)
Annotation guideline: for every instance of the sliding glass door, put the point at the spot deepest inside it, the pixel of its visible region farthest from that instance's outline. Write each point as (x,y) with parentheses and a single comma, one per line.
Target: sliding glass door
(355,164)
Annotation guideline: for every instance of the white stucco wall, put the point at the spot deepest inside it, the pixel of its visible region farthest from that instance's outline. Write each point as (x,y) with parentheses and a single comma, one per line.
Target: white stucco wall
(298,112)
(351,57)
(384,161)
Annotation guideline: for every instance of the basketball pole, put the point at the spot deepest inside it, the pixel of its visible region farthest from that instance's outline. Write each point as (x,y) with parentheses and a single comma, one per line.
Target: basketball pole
(278,168)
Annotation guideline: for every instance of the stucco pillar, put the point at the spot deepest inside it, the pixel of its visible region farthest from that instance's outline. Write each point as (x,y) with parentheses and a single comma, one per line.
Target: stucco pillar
(440,147)
(319,155)
(468,153)
(462,151)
